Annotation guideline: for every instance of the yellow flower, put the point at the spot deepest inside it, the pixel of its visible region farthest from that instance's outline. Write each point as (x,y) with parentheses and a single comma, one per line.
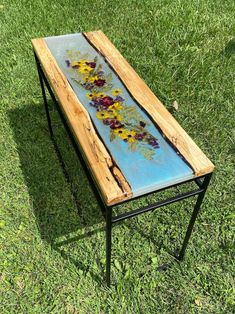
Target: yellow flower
(121,133)
(83,62)
(75,64)
(116,106)
(126,135)
(114,115)
(102,115)
(116,91)
(90,95)
(79,63)
(100,95)
(84,69)
(93,78)
(130,136)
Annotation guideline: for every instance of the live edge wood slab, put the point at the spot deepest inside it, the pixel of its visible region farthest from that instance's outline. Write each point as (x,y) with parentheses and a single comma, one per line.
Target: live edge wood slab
(129,140)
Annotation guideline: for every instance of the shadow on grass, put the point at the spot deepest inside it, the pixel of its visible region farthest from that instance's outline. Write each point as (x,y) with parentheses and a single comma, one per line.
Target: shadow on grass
(60,208)
(229,49)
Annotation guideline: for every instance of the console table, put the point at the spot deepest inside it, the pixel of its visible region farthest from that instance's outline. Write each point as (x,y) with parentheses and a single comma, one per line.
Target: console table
(128,142)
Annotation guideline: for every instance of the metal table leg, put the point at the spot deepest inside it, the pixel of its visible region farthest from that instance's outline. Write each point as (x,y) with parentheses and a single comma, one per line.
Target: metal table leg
(108,243)
(194,216)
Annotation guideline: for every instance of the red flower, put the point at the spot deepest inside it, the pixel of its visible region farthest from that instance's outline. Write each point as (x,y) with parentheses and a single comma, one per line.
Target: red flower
(99,82)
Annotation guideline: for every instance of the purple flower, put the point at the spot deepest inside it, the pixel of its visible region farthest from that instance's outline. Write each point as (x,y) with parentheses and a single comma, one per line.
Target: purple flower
(119,99)
(93,104)
(115,124)
(139,136)
(88,86)
(153,142)
(67,63)
(107,121)
(102,107)
(91,64)
(99,82)
(106,101)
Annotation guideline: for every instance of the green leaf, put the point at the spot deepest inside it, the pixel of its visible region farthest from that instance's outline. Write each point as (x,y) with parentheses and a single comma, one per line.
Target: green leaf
(105,88)
(112,136)
(99,68)
(147,153)
(131,114)
(108,78)
(77,81)
(133,146)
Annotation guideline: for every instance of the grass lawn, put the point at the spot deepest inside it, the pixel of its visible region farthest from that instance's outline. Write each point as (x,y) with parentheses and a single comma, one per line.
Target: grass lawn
(52,242)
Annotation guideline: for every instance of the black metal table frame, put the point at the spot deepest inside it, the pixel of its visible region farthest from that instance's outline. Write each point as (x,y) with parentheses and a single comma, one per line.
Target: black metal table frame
(201,182)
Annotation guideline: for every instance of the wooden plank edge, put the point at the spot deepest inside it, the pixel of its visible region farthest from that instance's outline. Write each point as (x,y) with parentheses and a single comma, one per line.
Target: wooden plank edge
(171,129)
(111,171)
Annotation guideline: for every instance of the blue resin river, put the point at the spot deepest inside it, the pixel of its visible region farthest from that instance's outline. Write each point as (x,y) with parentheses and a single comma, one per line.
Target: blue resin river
(165,167)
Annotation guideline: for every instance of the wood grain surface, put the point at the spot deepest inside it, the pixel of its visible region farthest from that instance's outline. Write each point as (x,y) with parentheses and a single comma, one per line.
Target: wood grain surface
(112,184)
(144,96)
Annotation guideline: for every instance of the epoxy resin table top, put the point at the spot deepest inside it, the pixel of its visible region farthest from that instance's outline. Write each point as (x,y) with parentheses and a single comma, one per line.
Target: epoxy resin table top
(119,127)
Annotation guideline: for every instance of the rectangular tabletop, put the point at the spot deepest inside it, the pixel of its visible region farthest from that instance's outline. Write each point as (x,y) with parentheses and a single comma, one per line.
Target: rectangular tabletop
(130,142)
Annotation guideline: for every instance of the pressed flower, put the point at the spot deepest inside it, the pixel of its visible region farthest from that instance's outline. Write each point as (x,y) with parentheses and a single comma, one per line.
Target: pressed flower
(114,115)
(116,106)
(107,121)
(127,135)
(75,64)
(121,132)
(119,99)
(102,115)
(84,69)
(139,136)
(116,92)
(90,95)
(88,86)
(102,107)
(82,62)
(91,64)
(142,124)
(93,78)
(130,136)
(108,108)
(99,82)
(67,63)
(100,95)
(115,124)
(153,142)
(106,101)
